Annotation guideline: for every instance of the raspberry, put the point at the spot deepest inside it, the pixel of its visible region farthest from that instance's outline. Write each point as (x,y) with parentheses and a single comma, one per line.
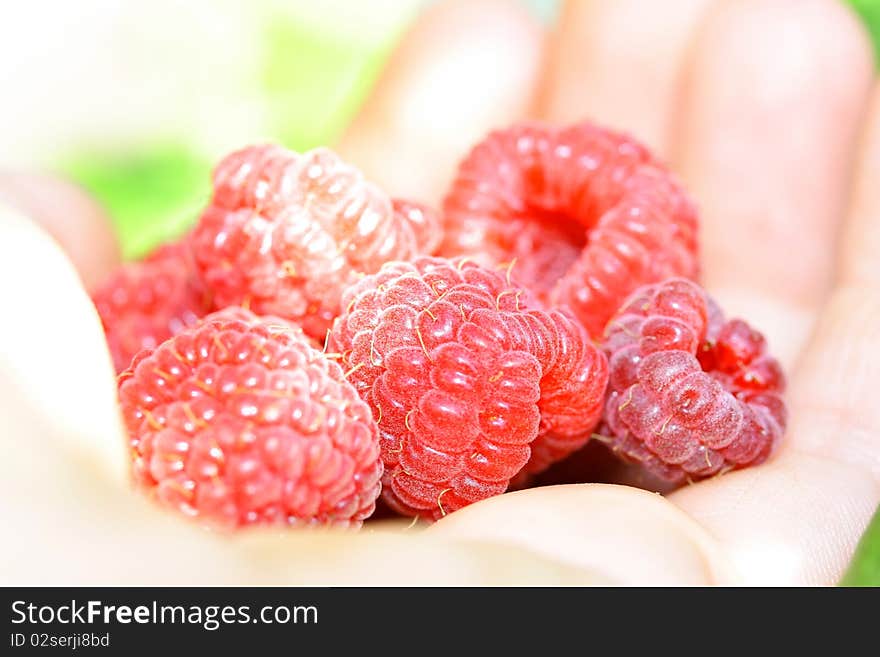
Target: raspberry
(690,394)
(462,377)
(424,223)
(239,421)
(144,303)
(285,233)
(587,214)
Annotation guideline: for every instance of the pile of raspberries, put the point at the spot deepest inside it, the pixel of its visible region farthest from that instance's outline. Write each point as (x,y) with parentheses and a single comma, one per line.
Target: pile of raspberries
(313,346)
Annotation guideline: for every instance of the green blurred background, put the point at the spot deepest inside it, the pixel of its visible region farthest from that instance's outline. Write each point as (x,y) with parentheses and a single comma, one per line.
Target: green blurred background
(300,70)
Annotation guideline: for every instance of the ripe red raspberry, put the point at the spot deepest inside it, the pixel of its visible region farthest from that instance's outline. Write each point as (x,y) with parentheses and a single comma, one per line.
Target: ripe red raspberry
(285,233)
(144,303)
(587,214)
(462,377)
(239,421)
(690,394)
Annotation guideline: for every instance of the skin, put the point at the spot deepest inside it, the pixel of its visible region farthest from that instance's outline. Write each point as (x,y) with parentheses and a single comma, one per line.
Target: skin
(766,108)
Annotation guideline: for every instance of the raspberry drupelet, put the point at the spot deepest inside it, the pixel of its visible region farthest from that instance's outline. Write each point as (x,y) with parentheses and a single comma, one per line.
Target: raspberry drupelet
(465,379)
(690,394)
(144,303)
(239,421)
(587,214)
(285,233)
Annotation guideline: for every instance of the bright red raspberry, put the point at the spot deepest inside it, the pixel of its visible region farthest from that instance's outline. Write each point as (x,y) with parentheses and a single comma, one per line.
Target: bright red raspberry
(462,377)
(285,233)
(239,421)
(690,394)
(144,303)
(572,388)
(587,215)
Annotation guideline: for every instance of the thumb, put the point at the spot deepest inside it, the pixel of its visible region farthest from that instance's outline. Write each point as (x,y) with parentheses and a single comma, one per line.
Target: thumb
(626,535)
(57,389)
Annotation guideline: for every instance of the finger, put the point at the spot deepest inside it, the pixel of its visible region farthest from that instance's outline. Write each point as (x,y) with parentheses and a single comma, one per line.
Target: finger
(57,388)
(836,378)
(70,216)
(620,63)
(797,520)
(599,527)
(859,265)
(464,68)
(776,93)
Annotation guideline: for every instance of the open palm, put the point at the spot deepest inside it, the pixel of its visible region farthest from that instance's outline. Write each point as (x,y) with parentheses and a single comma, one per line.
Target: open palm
(765,108)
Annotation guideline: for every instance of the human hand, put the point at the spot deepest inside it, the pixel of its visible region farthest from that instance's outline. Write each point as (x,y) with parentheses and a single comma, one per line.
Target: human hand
(763,107)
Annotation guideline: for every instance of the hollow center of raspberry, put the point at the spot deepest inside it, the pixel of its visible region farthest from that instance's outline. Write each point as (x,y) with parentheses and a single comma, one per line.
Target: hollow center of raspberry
(545,244)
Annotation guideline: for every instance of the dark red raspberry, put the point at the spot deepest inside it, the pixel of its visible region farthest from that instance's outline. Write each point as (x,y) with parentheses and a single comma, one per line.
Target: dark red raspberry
(144,303)
(239,421)
(285,233)
(690,394)
(462,377)
(587,215)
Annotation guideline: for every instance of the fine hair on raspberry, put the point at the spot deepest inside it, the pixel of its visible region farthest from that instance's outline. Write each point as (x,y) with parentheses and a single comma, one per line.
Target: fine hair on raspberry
(690,393)
(464,374)
(239,421)
(285,233)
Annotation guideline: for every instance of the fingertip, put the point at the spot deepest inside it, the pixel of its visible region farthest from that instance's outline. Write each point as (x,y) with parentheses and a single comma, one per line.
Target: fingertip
(464,68)
(811,42)
(772,70)
(620,63)
(69,215)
